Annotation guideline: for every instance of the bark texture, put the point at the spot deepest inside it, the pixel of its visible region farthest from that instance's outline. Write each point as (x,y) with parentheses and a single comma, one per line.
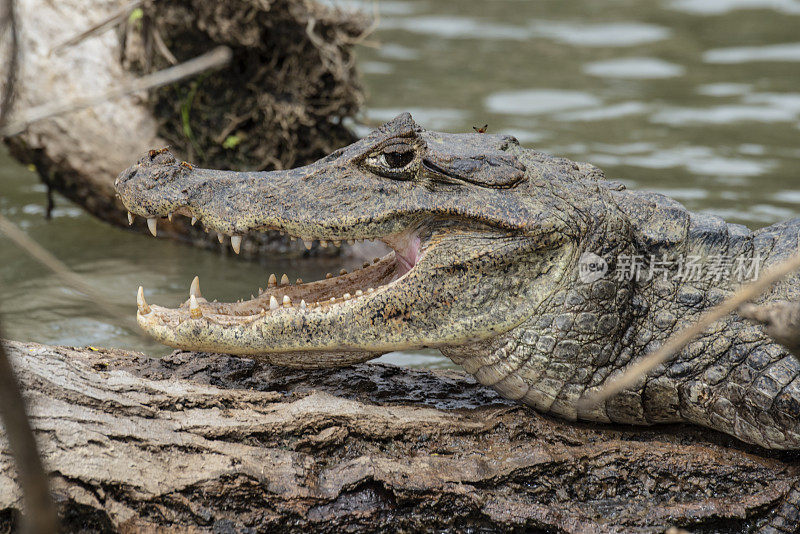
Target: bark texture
(279,103)
(208,443)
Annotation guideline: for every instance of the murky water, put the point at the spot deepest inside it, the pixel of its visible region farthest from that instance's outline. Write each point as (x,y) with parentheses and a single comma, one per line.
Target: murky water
(696,99)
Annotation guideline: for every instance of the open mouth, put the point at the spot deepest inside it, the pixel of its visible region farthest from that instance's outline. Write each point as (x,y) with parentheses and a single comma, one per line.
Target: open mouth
(281,295)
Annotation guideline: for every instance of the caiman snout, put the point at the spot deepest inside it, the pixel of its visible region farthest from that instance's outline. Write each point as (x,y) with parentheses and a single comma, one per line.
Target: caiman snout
(150,184)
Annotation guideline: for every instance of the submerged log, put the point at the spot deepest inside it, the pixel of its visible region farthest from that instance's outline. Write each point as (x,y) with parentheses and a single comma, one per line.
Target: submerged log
(279,103)
(208,443)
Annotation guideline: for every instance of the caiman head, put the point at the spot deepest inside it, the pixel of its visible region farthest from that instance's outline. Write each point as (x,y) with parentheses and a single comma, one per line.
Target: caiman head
(483,232)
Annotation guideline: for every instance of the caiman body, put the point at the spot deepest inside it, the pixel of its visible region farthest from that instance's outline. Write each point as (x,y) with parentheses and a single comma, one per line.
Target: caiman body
(487,242)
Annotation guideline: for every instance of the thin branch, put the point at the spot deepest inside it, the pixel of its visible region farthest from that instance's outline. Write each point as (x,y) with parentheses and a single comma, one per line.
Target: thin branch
(163,48)
(683,337)
(40,511)
(210,60)
(40,254)
(105,24)
(8,23)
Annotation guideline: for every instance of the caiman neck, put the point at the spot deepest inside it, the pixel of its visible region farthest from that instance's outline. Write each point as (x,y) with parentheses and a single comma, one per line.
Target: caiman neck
(587,332)
(580,328)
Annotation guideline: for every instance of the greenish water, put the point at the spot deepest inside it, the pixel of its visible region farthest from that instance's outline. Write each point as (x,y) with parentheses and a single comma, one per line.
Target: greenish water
(696,99)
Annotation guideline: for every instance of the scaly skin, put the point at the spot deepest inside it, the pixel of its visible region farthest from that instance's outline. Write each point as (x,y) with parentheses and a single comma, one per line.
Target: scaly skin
(487,238)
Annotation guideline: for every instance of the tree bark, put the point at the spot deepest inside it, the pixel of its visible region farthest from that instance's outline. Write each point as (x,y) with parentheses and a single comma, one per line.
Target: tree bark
(208,443)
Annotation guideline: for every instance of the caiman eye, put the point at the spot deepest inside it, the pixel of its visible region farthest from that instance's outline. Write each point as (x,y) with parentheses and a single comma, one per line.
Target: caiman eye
(396,160)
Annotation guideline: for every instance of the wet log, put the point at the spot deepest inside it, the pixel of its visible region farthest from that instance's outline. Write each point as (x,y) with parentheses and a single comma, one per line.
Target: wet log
(208,443)
(279,103)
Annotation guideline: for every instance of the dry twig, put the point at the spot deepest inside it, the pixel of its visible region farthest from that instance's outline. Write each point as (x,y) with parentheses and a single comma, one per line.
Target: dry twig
(210,60)
(105,24)
(40,511)
(71,279)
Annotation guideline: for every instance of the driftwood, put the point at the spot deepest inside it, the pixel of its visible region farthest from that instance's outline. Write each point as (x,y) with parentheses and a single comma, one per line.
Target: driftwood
(208,443)
(279,103)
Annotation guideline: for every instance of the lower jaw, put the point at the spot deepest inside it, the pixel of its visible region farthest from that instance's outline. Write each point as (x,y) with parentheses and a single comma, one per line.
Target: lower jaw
(322,295)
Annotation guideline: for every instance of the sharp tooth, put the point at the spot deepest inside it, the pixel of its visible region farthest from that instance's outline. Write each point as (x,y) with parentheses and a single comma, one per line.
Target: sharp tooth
(273,302)
(351,241)
(323,243)
(298,281)
(337,243)
(303,305)
(194,289)
(152,225)
(287,302)
(284,280)
(130,218)
(140,302)
(273,280)
(220,238)
(346,296)
(236,243)
(169,217)
(328,275)
(343,271)
(359,292)
(308,243)
(194,220)
(144,309)
(194,308)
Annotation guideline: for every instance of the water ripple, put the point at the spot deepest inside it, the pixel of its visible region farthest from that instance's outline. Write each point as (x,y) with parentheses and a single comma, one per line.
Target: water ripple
(695,159)
(447,27)
(744,54)
(634,68)
(609,34)
(724,89)
(538,101)
(721,115)
(616,111)
(720,7)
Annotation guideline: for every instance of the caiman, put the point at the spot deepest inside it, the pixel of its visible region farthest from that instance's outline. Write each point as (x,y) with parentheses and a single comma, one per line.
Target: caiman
(505,259)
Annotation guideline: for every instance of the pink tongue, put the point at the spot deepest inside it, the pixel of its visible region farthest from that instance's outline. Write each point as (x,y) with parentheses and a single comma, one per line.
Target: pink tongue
(406,249)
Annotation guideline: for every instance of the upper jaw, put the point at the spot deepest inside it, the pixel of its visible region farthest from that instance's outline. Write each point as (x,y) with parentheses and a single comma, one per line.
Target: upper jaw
(233,204)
